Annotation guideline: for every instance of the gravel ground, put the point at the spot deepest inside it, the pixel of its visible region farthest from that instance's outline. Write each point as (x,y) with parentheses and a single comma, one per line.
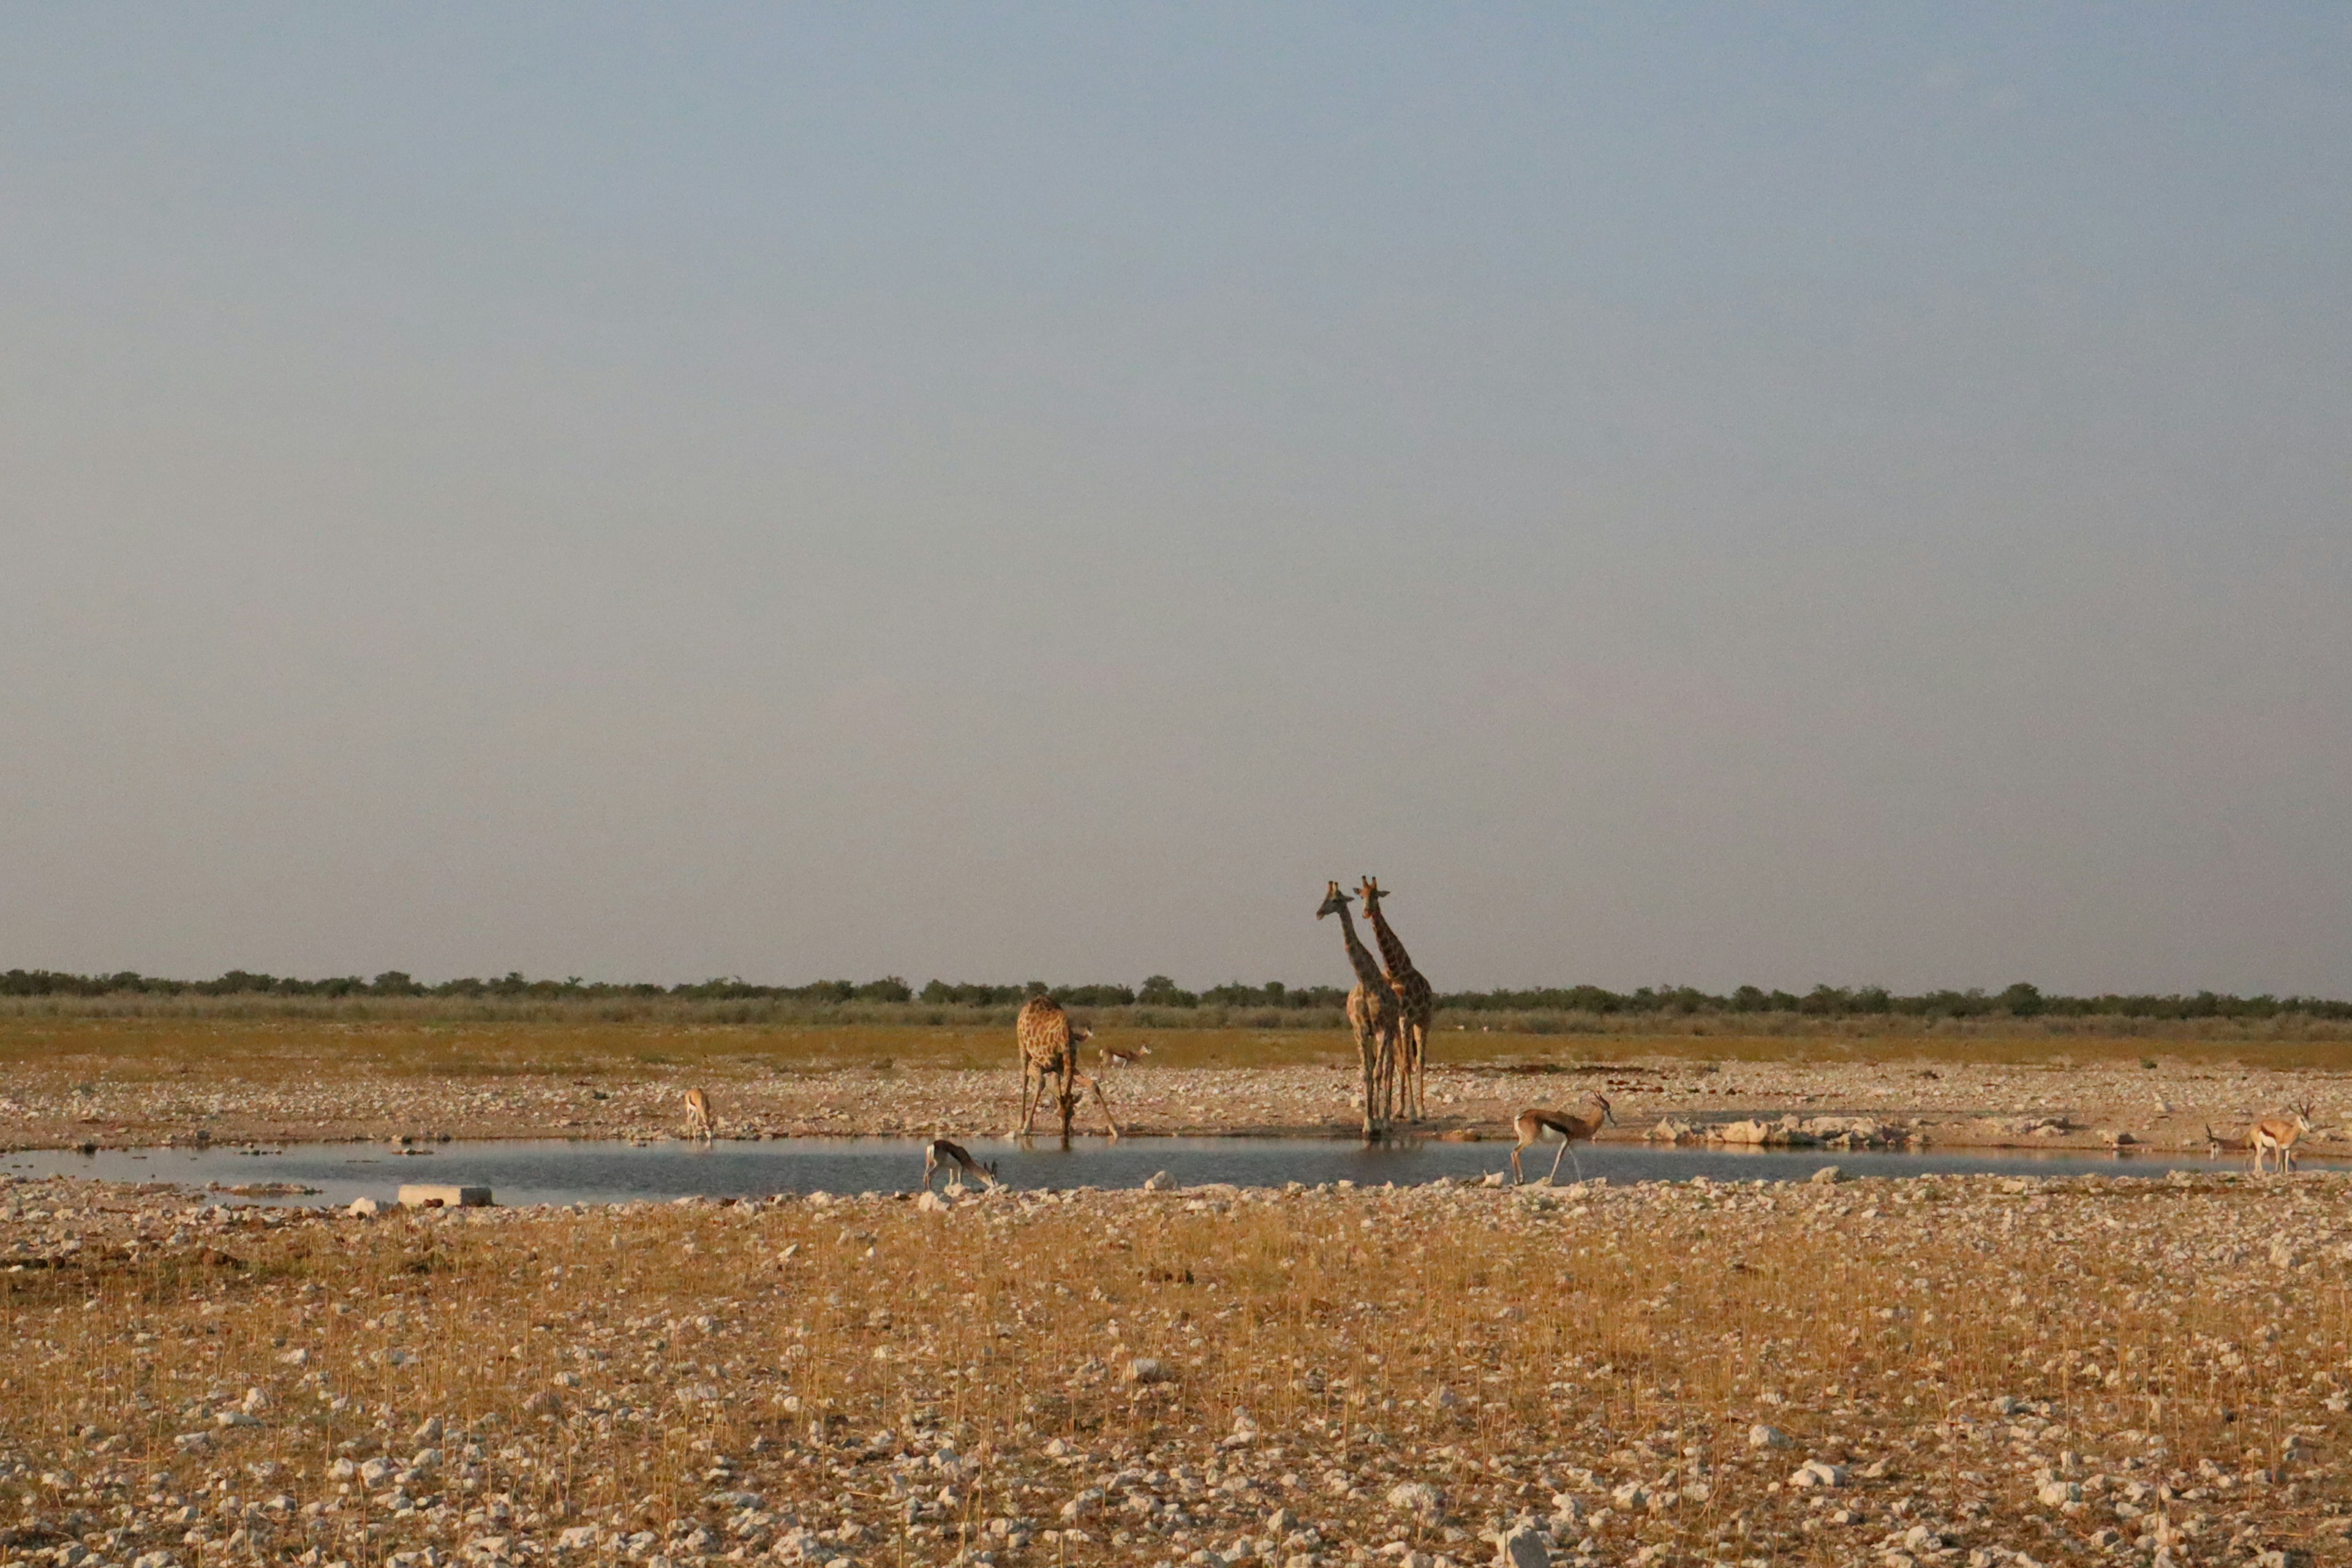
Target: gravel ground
(1980,1370)
(2169,1105)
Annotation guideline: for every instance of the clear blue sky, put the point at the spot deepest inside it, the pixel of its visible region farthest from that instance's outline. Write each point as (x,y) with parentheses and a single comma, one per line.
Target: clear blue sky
(1682,494)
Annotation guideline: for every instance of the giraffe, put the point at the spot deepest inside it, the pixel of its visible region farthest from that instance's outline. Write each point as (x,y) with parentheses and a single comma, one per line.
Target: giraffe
(1416,1004)
(1371,1010)
(1049,1055)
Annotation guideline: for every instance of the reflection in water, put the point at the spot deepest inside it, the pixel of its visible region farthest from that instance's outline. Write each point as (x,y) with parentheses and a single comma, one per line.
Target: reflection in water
(539,1170)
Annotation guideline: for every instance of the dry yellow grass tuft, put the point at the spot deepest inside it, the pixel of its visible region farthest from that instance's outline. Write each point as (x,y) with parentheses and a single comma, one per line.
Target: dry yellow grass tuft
(1957,1365)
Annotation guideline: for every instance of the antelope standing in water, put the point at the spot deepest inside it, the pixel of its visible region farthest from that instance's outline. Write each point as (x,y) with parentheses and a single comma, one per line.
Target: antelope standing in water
(957,1161)
(700,1121)
(2278,1135)
(1536,1125)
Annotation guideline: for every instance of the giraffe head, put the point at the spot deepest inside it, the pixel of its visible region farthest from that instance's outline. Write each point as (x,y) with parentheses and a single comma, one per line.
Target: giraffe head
(1333,901)
(1369,889)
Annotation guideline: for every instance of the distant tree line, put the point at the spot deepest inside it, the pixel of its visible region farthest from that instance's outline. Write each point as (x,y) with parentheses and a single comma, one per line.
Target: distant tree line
(2020,1001)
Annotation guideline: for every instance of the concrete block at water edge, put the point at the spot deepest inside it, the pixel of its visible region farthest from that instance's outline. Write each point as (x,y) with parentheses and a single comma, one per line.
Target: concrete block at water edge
(425,1196)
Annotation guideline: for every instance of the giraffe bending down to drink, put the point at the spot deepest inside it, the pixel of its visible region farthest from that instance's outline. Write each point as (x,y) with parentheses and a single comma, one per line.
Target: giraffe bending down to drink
(1371,1012)
(1416,1004)
(957,1161)
(701,1122)
(1570,1128)
(1049,1055)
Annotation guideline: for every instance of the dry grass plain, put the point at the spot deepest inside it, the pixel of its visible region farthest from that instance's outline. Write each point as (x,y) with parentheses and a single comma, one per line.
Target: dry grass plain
(69,1077)
(1972,1371)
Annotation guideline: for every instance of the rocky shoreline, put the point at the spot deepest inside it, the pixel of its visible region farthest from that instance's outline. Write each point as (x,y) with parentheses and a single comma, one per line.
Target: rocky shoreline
(2168,1106)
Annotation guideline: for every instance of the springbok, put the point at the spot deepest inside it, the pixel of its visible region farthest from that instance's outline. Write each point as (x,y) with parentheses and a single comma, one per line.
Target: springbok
(1123,1056)
(1535,1125)
(701,1122)
(958,1162)
(2278,1135)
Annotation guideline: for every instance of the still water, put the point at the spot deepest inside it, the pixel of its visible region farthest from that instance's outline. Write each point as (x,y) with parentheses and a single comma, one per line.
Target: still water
(550,1171)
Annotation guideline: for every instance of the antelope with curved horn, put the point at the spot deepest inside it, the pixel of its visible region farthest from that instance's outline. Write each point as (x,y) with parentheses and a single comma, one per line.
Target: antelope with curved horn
(1535,1125)
(957,1161)
(700,1121)
(2278,1135)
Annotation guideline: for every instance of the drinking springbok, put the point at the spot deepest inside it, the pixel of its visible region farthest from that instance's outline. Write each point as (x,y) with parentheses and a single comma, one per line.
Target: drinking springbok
(701,1122)
(2278,1135)
(1536,1125)
(958,1162)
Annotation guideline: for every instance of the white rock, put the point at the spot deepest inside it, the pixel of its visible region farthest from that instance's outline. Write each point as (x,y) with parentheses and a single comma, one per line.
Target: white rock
(1146,1368)
(1827,1176)
(363,1206)
(1762,1436)
(1159,1182)
(578,1538)
(1417,1498)
(1818,1473)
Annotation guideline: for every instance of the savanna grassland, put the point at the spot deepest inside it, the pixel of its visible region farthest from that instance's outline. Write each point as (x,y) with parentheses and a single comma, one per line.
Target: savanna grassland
(239,1069)
(1980,1370)
(1976,1370)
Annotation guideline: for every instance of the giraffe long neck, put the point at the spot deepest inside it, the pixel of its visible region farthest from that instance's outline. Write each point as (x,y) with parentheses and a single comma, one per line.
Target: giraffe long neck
(1392,951)
(1367,969)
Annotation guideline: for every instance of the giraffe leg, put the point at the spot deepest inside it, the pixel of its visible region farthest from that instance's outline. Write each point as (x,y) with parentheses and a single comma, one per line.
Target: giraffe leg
(1029,1117)
(1421,1073)
(1096,1084)
(1069,1099)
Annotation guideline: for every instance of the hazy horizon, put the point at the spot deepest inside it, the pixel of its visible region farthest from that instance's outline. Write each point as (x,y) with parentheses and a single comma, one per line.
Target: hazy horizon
(1703,496)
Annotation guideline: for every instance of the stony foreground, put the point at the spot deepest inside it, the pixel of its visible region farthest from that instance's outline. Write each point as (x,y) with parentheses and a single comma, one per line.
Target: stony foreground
(1931,1370)
(57,1102)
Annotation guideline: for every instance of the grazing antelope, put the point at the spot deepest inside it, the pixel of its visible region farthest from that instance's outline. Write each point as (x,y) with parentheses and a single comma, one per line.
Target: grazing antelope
(958,1162)
(2278,1135)
(1535,1126)
(701,1122)
(1123,1056)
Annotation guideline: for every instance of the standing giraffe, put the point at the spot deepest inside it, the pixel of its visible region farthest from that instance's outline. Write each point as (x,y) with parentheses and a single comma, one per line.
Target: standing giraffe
(1371,1009)
(1416,1004)
(1049,1055)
